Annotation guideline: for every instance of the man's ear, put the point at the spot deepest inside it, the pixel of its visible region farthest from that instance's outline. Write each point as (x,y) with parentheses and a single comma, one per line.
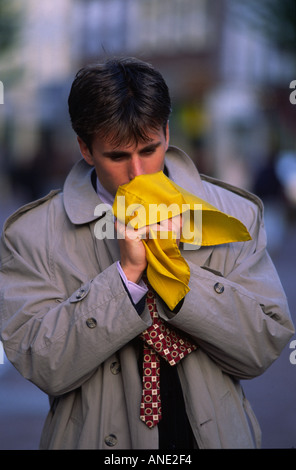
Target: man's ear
(85,152)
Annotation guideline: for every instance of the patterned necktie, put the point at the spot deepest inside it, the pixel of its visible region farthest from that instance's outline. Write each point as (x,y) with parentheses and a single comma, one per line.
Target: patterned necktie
(159,340)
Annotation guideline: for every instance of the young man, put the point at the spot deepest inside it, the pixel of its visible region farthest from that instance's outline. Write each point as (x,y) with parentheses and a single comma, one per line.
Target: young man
(73,305)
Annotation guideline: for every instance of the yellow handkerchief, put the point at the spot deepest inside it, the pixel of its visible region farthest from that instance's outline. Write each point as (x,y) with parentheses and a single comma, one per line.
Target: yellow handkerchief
(153,198)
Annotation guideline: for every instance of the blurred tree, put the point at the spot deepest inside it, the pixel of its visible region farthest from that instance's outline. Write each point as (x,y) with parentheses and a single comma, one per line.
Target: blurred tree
(10,18)
(275,19)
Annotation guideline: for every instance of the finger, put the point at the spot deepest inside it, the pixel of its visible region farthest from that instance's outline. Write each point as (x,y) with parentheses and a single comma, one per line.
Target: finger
(173,226)
(131,233)
(137,234)
(120,229)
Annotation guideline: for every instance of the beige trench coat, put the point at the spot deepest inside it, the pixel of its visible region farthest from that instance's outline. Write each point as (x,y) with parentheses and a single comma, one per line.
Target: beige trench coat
(67,323)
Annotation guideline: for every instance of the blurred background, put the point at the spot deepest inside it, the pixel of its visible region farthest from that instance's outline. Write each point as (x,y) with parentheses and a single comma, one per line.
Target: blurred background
(231,69)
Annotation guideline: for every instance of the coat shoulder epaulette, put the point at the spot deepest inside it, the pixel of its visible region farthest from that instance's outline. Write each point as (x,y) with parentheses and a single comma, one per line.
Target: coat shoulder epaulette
(234,189)
(29,206)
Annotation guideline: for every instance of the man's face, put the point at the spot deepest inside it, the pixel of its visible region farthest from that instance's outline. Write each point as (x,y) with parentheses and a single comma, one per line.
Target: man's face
(117,166)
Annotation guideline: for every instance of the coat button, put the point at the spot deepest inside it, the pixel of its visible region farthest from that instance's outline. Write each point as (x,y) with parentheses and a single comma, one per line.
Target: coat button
(91,322)
(115,368)
(79,295)
(219,288)
(111,440)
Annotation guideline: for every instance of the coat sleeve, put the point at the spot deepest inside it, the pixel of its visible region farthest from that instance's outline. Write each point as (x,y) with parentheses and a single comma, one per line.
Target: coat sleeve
(57,342)
(241,319)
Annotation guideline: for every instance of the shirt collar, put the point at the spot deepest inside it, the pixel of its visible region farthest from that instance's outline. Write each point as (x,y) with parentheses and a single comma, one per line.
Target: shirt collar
(103,194)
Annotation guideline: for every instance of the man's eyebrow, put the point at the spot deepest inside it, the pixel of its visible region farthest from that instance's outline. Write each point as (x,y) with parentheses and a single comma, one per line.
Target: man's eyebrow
(124,153)
(151,146)
(116,153)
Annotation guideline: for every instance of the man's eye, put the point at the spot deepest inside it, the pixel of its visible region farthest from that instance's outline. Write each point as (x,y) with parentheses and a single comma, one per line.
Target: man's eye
(116,158)
(148,152)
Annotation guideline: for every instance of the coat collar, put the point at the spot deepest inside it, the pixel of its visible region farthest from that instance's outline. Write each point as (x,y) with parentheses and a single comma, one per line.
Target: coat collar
(183,171)
(80,197)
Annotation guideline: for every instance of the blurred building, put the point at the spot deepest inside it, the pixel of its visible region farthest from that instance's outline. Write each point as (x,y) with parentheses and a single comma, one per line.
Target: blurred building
(181,38)
(34,112)
(229,86)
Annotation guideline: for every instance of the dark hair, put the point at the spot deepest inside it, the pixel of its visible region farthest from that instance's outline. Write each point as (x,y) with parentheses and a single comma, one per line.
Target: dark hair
(122,100)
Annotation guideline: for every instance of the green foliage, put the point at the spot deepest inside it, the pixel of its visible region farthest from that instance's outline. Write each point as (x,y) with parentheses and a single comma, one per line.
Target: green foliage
(10,23)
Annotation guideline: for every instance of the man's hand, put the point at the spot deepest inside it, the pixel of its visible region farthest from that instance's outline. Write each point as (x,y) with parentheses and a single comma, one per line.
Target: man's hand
(172,227)
(132,250)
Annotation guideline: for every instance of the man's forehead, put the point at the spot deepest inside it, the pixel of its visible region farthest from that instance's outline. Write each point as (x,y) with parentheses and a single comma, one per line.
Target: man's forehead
(111,142)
